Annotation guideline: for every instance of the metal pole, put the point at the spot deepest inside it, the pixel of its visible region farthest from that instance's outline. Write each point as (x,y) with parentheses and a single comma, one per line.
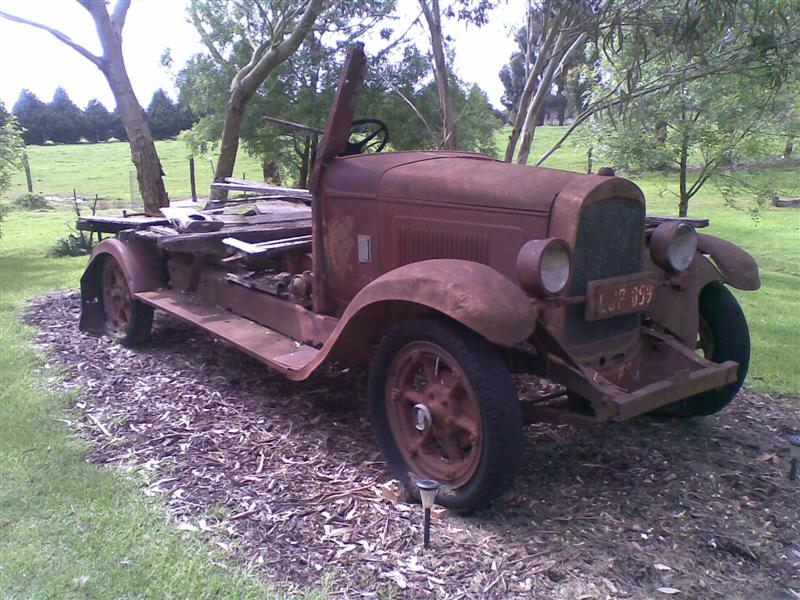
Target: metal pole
(28,175)
(191,178)
(426,528)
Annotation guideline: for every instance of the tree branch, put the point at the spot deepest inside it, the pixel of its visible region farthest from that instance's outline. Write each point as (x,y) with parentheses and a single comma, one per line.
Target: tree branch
(118,15)
(96,60)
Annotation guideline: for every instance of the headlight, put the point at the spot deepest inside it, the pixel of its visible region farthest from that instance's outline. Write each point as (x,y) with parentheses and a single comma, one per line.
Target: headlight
(673,245)
(543,266)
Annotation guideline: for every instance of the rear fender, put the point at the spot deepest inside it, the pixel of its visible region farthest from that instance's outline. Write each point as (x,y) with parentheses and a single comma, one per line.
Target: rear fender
(470,293)
(736,266)
(143,269)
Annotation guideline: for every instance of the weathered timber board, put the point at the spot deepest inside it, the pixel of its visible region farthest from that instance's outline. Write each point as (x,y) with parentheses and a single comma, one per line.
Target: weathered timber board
(211,243)
(117,223)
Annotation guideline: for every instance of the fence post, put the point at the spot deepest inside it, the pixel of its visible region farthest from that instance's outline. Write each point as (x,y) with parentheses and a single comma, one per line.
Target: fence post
(589,160)
(28,175)
(191,178)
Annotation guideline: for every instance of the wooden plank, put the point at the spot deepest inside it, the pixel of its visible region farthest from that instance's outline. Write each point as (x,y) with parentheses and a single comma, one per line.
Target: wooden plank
(657,220)
(117,223)
(211,243)
(244,185)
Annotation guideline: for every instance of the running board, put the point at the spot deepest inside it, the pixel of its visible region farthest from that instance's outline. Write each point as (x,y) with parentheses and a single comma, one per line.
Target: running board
(276,350)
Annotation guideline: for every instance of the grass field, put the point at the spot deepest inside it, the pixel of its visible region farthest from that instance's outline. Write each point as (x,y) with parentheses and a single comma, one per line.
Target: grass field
(63,520)
(105,170)
(69,529)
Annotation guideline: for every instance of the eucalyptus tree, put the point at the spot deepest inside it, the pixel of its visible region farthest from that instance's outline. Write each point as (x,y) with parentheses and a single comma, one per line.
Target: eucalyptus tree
(697,89)
(112,65)
(650,47)
(251,38)
(277,51)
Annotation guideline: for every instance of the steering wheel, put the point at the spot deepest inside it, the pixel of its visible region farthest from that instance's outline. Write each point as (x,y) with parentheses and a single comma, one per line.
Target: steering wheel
(366,136)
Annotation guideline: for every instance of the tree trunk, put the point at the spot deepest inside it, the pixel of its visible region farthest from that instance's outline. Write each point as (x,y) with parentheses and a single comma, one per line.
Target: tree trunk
(302,179)
(143,150)
(112,65)
(449,127)
(229,145)
(789,148)
(550,29)
(247,81)
(561,54)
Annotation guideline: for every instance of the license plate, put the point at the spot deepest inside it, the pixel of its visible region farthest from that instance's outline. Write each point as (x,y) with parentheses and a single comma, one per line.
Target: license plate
(619,296)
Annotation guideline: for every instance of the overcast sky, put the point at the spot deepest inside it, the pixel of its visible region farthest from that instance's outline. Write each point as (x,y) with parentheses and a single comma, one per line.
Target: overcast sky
(35,60)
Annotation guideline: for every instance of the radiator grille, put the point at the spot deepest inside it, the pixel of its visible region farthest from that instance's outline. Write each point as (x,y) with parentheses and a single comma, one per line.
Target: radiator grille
(609,244)
(422,243)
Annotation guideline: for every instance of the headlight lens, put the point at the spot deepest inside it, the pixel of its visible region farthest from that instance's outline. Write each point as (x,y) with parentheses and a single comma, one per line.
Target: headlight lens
(673,246)
(543,266)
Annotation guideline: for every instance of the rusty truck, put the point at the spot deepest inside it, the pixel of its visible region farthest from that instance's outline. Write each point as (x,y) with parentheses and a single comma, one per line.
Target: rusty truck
(448,274)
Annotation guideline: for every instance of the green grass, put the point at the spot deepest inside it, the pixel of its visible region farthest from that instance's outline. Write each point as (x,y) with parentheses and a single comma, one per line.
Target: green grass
(69,529)
(105,170)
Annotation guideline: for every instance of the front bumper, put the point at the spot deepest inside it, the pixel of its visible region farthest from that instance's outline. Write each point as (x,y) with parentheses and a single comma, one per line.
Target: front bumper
(661,372)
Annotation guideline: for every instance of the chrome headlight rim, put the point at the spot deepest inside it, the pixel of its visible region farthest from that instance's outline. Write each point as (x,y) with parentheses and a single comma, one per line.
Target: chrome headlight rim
(544,267)
(673,246)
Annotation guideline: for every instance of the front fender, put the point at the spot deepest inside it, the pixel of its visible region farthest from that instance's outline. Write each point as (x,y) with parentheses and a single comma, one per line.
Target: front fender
(143,271)
(470,293)
(736,266)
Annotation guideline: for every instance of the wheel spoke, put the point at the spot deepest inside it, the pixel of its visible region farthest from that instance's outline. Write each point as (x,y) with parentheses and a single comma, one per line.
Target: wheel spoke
(430,365)
(464,423)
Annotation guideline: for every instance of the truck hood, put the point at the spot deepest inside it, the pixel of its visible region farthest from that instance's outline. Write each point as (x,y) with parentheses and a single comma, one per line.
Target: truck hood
(447,177)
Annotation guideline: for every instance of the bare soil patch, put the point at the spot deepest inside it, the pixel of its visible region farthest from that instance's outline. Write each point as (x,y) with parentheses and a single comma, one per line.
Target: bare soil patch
(285,477)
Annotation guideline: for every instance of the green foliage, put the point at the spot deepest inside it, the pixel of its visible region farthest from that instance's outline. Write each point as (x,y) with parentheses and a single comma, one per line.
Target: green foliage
(32,115)
(99,123)
(66,122)
(12,148)
(163,116)
(71,245)
(737,89)
(29,201)
(301,90)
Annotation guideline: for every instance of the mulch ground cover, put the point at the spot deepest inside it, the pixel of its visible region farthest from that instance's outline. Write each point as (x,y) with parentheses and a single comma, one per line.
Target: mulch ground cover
(286,479)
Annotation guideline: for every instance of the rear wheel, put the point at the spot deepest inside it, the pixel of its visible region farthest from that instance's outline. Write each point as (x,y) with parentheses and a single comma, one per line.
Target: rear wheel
(722,335)
(444,407)
(127,320)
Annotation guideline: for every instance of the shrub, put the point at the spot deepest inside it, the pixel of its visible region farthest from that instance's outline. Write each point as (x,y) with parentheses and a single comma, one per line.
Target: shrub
(28,201)
(72,245)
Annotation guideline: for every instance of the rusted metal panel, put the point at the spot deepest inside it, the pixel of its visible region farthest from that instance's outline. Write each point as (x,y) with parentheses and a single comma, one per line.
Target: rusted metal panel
(281,315)
(333,143)
(737,267)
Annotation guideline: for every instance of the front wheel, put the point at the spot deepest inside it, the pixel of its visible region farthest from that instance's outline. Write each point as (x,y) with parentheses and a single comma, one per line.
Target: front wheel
(722,335)
(444,407)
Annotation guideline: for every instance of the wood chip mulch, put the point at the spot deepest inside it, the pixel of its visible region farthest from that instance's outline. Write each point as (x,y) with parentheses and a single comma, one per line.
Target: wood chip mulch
(285,478)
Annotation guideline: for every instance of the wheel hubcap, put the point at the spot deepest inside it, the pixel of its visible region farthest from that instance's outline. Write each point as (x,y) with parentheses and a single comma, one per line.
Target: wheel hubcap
(434,414)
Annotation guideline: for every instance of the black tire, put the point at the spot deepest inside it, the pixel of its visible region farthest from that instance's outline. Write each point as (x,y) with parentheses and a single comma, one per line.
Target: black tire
(723,323)
(128,320)
(492,391)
